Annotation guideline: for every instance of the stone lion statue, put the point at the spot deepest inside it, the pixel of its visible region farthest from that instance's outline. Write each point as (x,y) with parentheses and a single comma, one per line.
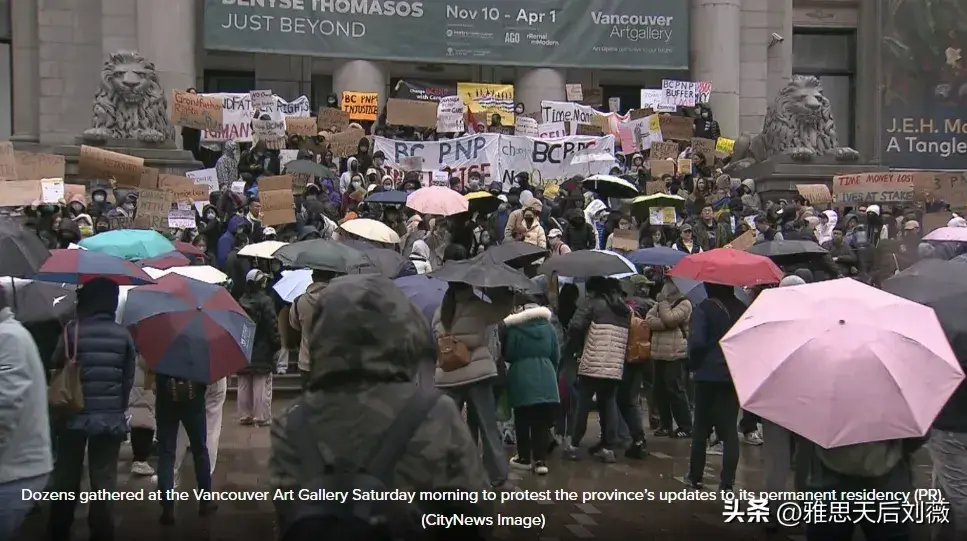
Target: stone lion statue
(799,123)
(130,103)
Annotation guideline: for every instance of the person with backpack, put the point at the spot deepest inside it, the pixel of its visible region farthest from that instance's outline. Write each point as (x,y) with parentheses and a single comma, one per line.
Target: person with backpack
(668,320)
(255,380)
(364,423)
(638,355)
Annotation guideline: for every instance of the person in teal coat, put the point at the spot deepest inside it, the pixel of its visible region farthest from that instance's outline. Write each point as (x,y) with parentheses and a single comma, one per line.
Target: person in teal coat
(531,351)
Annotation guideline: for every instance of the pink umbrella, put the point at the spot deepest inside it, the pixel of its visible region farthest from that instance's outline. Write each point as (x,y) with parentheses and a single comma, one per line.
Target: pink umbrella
(437,200)
(832,362)
(951,234)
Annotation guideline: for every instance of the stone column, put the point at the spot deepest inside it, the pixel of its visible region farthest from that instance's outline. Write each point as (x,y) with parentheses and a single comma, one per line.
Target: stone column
(869,110)
(779,54)
(715,32)
(539,84)
(361,76)
(166,37)
(26,70)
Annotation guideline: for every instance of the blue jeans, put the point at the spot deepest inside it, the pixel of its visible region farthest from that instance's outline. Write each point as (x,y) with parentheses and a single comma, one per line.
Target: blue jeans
(13,508)
(481,406)
(191,414)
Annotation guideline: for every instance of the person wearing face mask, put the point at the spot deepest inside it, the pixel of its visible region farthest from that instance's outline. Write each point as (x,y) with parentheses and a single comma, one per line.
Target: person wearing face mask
(387,183)
(85,225)
(352,169)
(67,232)
(76,206)
(578,234)
(529,229)
(127,207)
(705,125)
(379,159)
(236,266)
(625,223)
(99,204)
(255,380)
(362,155)
(514,228)
(474,182)
(101,224)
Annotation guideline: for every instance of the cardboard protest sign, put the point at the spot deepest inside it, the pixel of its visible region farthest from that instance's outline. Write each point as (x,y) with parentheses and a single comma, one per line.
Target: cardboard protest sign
(589,129)
(635,114)
(664,149)
(704,147)
(684,166)
(153,209)
(420,114)
(660,168)
(97,162)
(625,241)
(593,96)
(275,194)
(269,131)
(300,125)
(934,220)
(332,119)
(346,143)
(949,187)
(412,163)
(662,216)
(196,111)
(262,100)
(34,165)
(19,193)
(8,161)
(654,186)
(815,193)
(892,187)
(574,92)
(363,105)
(744,241)
(679,128)
(300,181)
(149,178)
(190,193)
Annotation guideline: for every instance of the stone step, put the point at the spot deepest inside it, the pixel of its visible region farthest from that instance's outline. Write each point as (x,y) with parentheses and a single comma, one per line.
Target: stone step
(284,385)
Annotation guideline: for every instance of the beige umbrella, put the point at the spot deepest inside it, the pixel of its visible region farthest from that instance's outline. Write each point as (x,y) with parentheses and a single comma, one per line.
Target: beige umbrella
(263,250)
(202,273)
(373,230)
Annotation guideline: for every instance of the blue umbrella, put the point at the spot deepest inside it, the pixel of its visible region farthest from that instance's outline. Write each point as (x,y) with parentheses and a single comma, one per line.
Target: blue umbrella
(659,256)
(389,197)
(130,244)
(425,293)
(695,291)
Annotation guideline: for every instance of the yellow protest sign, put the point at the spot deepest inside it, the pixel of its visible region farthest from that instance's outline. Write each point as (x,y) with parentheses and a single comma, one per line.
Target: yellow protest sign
(489,99)
(724,145)
(361,105)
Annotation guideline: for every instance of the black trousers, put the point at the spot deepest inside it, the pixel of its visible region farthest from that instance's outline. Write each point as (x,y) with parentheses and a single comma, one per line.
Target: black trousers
(102,463)
(532,424)
(141,439)
(671,401)
(716,406)
(629,388)
(601,392)
(749,422)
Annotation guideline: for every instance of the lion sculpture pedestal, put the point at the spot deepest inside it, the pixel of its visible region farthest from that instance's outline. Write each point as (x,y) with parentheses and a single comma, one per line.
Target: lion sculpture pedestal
(797,145)
(130,117)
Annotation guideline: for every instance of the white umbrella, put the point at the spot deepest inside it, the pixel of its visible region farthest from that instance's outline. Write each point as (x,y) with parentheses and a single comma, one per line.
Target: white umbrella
(202,273)
(371,230)
(263,250)
(73,246)
(293,283)
(610,186)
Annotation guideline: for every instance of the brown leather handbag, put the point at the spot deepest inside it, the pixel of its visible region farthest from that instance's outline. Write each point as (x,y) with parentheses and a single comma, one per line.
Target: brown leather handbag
(451,353)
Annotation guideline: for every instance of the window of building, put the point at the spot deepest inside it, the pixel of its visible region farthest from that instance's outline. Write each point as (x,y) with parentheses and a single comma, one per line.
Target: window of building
(229,81)
(5,30)
(830,56)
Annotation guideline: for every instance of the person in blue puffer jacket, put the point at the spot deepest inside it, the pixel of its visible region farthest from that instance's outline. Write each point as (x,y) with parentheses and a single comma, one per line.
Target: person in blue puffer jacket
(227,241)
(105,354)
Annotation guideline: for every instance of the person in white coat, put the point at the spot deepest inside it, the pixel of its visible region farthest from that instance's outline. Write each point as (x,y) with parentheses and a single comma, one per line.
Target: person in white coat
(420,256)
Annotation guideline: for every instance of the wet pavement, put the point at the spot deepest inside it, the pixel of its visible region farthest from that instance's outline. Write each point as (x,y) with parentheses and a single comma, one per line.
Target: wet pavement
(242,466)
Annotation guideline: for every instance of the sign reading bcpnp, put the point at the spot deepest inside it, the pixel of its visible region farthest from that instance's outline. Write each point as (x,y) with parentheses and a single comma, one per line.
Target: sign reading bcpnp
(361,105)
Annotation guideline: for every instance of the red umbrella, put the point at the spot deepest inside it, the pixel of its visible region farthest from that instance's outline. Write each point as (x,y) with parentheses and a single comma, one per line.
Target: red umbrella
(728,266)
(81,266)
(188,249)
(166,261)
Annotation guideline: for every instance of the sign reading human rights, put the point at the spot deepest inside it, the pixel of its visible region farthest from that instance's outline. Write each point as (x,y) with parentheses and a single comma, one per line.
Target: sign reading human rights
(601,34)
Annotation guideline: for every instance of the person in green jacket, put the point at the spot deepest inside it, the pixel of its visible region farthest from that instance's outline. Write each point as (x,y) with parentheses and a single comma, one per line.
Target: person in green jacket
(531,351)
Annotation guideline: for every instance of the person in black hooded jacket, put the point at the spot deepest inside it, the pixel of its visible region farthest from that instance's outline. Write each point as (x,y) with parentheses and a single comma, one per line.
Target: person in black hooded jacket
(705,125)
(67,233)
(578,234)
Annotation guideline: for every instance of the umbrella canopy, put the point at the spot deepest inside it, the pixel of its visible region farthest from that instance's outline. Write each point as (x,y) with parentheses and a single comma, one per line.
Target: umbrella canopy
(515,253)
(425,293)
(322,254)
(188,249)
(188,329)
(23,251)
(310,167)
(437,200)
(778,249)
(659,256)
(658,200)
(81,266)
(948,234)
(482,271)
(388,263)
(811,359)
(588,263)
(728,266)
(262,250)
(202,273)
(482,202)
(369,229)
(293,283)
(389,197)
(130,244)
(165,261)
(36,302)
(696,292)
(610,186)
(73,246)
(941,285)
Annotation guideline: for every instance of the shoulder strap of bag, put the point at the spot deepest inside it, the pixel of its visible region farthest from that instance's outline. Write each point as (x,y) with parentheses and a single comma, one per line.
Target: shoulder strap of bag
(71,357)
(398,435)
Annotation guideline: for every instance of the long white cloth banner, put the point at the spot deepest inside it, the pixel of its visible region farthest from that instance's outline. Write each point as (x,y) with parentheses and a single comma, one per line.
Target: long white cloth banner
(237,114)
(498,158)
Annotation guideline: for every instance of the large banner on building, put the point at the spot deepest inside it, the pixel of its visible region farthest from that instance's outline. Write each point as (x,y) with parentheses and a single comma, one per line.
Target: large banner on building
(237,112)
(602,34)
(412,89)
(923,47)
(498,158)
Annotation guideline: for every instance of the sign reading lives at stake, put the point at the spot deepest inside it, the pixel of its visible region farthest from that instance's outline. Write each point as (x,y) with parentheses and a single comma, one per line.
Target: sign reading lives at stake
(100,163)
(361,105)
(196,111)
(876,187)
(275,193)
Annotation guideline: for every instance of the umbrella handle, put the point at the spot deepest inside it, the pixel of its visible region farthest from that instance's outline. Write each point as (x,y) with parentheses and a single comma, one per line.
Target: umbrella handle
(13,286)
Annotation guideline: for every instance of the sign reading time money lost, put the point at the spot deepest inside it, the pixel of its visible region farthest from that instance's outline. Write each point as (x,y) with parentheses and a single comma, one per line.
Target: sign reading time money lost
(604,34)
(892,187)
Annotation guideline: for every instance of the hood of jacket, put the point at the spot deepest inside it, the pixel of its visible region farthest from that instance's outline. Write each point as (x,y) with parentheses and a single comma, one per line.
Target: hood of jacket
(529,313)
(69,226)
(592,209)
(234,222)
(750,184)
(420,250)
(366,309)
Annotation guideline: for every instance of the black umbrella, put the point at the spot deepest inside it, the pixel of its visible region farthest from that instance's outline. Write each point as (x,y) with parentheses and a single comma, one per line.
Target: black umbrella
(36,302)
(941,285)
(389,263)
(23,252)
(310,167)
(611,186)
(482,271)
(515,253)
(585,264)
(789,251)
(324,255)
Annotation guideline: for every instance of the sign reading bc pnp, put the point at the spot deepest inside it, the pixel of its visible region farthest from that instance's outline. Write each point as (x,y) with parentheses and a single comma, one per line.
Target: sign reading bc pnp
(361,105)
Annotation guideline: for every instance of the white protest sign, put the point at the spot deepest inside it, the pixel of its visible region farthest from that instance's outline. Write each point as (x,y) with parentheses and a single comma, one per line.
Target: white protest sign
(449,115)
(643,132)
(262,100)
(614,104)
(238,186)
(237,112)
(51,190)
(208,177)
(440,178)
(525,125)
(654,99)
(497,158)
(563,111)
(287,155)
(574,92)
(181,219)
(268,130)
(681,93)
(555,130)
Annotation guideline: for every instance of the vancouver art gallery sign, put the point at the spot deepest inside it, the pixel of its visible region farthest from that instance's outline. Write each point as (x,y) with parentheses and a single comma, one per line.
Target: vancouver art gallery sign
(607,34)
